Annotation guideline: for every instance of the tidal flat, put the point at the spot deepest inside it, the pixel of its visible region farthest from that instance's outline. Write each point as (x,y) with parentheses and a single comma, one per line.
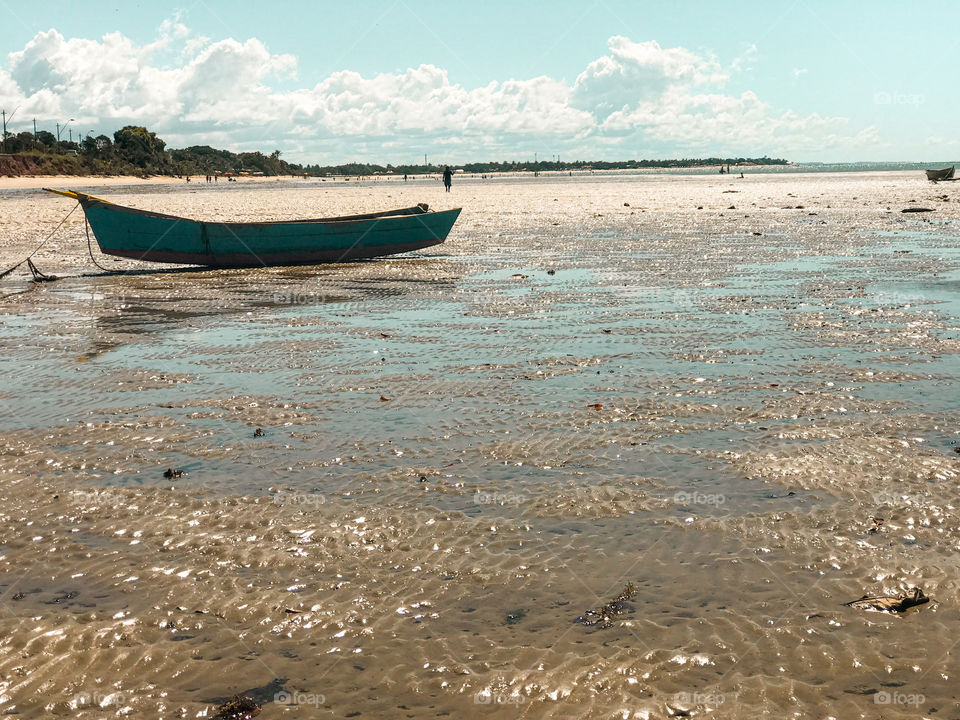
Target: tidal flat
(736,398)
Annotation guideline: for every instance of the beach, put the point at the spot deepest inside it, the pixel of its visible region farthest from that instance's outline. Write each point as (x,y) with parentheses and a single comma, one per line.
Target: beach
(406,480)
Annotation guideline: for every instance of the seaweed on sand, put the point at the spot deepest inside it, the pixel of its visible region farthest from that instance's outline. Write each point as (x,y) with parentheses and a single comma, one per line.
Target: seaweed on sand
(890,604)
(604,615)
(239,707)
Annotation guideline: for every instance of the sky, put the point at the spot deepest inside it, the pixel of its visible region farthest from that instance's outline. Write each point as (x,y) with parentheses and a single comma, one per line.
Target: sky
(393,80)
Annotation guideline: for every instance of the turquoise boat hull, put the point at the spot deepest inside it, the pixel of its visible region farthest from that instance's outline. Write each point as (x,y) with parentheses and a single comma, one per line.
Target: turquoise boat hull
(154,237)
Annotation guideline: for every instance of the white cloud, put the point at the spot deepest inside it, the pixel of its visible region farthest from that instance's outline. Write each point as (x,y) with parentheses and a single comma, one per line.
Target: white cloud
(671,98)
(9,90)
(705,121)
(634,72)
(223,84)
(744,63)
(192,90)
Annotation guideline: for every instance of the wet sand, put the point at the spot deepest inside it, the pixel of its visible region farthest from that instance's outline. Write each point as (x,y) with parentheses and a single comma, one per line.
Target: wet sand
(703,386)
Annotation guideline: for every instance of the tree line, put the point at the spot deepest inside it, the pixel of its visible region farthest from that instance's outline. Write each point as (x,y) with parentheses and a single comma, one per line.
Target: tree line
(135,150)
(538,166)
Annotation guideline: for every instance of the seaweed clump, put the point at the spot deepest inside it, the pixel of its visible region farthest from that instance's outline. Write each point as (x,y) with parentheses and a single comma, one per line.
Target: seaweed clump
(890,604)
(239,707)
(604,615)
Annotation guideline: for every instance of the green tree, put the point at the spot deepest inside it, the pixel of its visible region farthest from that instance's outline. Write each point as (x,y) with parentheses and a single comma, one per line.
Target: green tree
(21,142)
(89,146)
(142,148)
(46,138)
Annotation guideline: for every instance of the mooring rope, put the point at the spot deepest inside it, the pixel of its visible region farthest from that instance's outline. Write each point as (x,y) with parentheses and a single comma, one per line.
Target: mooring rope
(86,227)
(39,276)
(52,233)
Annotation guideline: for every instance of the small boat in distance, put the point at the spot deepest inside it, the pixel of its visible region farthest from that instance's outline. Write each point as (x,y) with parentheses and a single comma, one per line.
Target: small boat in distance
(154,237)
(945,174)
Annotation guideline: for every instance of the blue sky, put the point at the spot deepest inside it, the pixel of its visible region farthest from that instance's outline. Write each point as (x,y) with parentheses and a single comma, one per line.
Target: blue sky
(388,81)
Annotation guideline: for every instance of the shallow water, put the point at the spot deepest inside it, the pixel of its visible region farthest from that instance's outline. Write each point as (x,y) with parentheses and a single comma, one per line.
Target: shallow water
(465,449)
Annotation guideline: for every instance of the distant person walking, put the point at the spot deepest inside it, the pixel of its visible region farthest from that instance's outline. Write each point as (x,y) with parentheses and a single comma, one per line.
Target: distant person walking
(447,178)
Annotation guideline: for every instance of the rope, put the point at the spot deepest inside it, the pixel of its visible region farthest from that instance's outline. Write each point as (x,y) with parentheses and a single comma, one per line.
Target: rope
(86,227)
(39,276)
(52,233)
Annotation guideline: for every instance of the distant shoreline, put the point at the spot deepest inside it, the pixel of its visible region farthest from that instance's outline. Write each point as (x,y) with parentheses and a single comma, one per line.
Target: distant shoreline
(27,182)
(166,178)
(40,181)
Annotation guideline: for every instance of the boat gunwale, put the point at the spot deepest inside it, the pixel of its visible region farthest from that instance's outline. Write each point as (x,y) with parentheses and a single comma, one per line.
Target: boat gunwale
(414,211)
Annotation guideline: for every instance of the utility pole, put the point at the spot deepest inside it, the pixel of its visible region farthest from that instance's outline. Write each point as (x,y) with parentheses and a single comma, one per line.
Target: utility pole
(4,130)
(424,159)
(60,130)
(34,132)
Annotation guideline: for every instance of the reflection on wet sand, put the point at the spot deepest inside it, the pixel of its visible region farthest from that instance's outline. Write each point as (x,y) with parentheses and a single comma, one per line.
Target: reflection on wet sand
(117,306)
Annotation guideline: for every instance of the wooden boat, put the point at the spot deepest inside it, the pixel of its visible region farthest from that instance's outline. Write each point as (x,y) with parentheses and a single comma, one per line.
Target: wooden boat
(935,175)
(143,235)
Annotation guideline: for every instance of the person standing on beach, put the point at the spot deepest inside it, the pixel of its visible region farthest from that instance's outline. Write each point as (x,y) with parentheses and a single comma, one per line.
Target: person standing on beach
(447,178)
